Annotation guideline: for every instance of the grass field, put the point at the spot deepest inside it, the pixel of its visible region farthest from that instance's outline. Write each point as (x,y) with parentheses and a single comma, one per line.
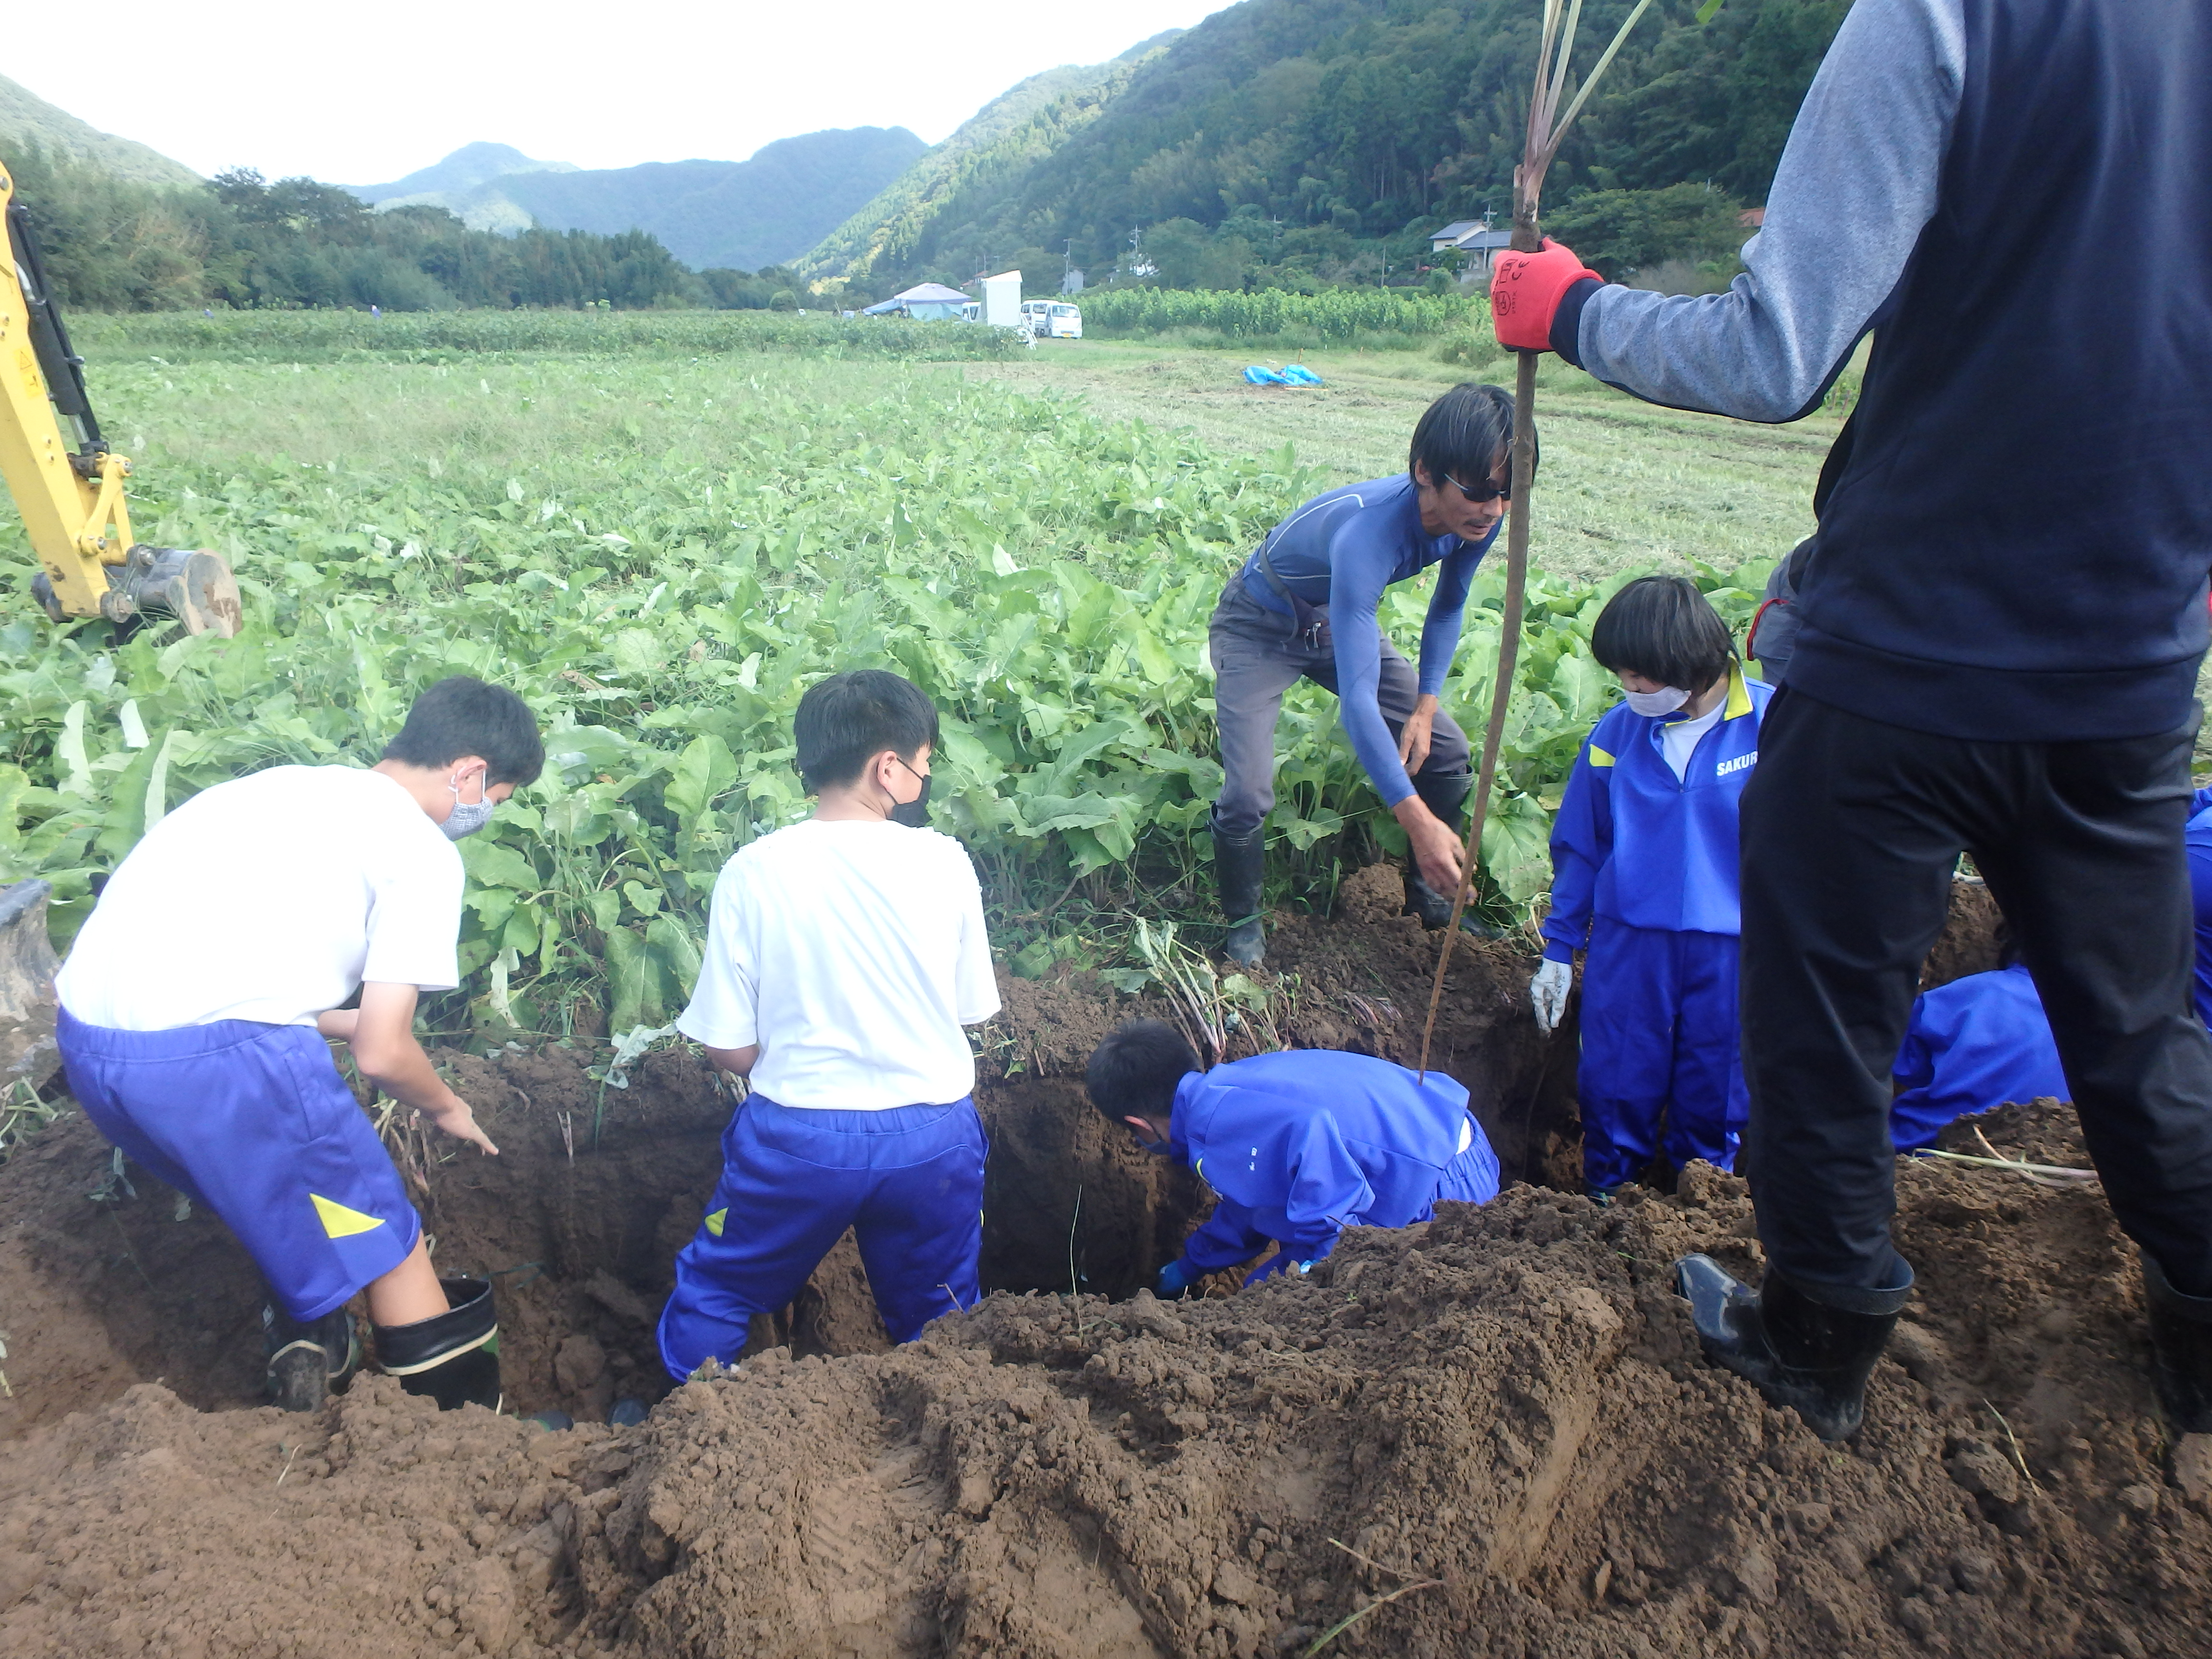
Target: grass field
(660,547)
(1624,485)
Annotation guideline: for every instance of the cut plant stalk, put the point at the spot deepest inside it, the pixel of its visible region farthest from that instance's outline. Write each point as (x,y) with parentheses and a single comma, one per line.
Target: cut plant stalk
(1546,127)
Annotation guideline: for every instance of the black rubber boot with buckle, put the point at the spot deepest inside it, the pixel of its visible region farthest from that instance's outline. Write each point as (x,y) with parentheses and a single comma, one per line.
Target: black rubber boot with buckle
(2181,1350)
(307,1360)
(1813,1357)
(1239,865)
(452,1358)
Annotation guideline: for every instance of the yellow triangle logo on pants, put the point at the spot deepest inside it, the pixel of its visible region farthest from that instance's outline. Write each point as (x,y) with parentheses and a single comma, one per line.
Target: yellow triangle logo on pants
(339,1222)
(714,1222)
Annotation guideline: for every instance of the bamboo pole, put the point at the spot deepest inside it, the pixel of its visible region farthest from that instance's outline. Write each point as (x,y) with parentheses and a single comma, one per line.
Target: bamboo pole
(1546,129)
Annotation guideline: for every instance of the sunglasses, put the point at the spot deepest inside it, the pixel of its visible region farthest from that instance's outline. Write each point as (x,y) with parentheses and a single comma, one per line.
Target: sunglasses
(1484,491)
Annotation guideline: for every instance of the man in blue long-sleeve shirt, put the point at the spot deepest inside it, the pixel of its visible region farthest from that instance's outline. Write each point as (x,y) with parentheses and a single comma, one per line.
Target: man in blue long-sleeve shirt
(2002,630)
(1296,1146)
(1304,606)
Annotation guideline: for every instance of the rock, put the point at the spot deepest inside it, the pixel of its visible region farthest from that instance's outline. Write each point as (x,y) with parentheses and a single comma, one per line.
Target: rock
(1233,1583)
(483,1602)
(1983,1470)
(579,1363)
(1920,1351)
(27,1051)
(1756,1576)
(1587,1303)
(2193,1467)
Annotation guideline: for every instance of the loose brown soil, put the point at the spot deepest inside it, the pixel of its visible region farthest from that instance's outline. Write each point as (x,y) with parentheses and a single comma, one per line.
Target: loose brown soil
(1497,1420)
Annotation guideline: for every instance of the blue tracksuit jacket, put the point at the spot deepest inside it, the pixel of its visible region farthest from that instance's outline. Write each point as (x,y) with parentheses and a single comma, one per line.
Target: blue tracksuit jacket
(1973,1045)
(1338,552)
(2199,837)
(1302,1145)
(1644,873)
(1634,843)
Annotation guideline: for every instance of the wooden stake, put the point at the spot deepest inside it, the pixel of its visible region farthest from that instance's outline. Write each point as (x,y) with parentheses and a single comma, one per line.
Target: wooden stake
(1544,132)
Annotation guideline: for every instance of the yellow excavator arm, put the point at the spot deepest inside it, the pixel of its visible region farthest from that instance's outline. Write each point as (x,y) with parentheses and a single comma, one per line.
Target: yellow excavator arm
(68,484)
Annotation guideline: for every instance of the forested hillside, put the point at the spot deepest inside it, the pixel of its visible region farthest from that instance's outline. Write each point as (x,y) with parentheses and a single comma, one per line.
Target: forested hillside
(111,245)
(1311,133)
(995,149)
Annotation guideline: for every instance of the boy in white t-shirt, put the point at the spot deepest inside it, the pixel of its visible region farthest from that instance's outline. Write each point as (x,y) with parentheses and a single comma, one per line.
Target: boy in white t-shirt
(201,1050)
(844,956)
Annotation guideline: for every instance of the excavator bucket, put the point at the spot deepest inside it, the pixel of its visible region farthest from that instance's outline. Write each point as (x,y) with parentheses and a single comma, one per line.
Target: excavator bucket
(196,588)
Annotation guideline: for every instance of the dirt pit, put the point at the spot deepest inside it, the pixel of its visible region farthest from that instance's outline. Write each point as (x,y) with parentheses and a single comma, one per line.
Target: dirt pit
(1488,1434)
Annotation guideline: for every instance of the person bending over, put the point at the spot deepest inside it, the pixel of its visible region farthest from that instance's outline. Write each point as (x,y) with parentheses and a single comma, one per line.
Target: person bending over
(1644,873)
(844,956)
(2198,837)
(1296,1146)
(1304,606)
(1979,1042)
(200,1051)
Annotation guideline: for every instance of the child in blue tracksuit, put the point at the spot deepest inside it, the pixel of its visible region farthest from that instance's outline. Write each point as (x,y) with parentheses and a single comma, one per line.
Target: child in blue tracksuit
(1974,1045)
(2199,837)
(1643,874)
(1296,1146)
(844,956)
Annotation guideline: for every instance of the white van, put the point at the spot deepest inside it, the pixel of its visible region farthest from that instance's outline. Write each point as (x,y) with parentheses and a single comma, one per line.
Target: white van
(1053,319)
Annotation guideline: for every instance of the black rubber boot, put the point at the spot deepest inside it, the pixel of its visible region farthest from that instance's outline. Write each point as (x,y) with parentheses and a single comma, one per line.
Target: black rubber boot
(308,1362)
(1443,794)
(2181,1350)
(1809,1355)
(1239,864)
(453,1358)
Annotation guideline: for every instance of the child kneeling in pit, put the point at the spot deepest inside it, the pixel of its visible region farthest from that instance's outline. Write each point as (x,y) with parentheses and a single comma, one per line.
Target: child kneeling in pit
(844,956)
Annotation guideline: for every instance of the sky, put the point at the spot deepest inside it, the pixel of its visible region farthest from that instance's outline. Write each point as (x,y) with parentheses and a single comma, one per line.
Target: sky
(361,94)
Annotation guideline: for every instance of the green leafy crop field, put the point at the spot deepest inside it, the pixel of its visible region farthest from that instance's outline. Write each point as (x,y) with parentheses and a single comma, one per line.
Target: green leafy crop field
(661,545)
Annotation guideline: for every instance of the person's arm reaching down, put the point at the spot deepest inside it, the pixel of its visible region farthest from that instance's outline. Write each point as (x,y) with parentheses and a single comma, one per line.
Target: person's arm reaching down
(1856,184)
(381,1034)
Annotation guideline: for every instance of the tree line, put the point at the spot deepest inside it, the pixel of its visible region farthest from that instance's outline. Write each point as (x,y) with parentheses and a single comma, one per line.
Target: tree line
(249,244)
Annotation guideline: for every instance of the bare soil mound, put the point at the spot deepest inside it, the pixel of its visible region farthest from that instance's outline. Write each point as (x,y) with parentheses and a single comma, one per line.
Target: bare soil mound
(1489,1434)
(1497,1419)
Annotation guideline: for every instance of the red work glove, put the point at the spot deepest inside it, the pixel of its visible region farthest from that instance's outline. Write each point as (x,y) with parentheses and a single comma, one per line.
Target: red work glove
(1525,292)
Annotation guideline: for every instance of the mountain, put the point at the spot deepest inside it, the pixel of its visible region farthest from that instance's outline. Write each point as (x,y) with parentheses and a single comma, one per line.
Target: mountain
(743,214)
(1002,141)
(25,116)
(1308,131)
(465,170)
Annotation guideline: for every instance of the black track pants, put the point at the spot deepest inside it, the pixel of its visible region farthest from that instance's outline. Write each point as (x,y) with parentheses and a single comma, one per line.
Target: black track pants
(1850,830)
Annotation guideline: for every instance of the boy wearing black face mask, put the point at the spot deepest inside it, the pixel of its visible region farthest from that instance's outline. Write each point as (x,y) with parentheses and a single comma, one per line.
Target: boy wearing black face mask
(1643,874)
(201,1052)
(844,956)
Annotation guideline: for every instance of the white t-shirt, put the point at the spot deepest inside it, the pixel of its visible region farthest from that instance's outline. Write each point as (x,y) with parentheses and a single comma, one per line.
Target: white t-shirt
(852,952)
(270,898)
(1679,742)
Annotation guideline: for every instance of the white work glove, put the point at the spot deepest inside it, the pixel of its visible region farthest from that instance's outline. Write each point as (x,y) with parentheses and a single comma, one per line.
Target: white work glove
(1548,993)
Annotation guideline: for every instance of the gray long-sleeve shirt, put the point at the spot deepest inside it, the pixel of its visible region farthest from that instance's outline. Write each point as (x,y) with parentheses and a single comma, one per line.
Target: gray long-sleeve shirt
(1857,183)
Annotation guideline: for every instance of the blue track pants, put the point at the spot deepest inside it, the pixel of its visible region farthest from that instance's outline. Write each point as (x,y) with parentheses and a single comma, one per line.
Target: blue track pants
(909,1181)
(1659,1047)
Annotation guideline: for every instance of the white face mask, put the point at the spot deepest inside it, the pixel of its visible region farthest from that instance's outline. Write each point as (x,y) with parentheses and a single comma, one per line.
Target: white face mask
(1665,700)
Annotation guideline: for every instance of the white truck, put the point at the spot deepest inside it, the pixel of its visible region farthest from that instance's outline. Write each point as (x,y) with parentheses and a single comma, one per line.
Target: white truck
(1053,319)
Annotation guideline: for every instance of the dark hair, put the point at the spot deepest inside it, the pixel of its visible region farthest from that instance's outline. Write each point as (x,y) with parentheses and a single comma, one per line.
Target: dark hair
(1463,433)
(847,719)
(1133,1073)
(462,716)
(1662,628)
